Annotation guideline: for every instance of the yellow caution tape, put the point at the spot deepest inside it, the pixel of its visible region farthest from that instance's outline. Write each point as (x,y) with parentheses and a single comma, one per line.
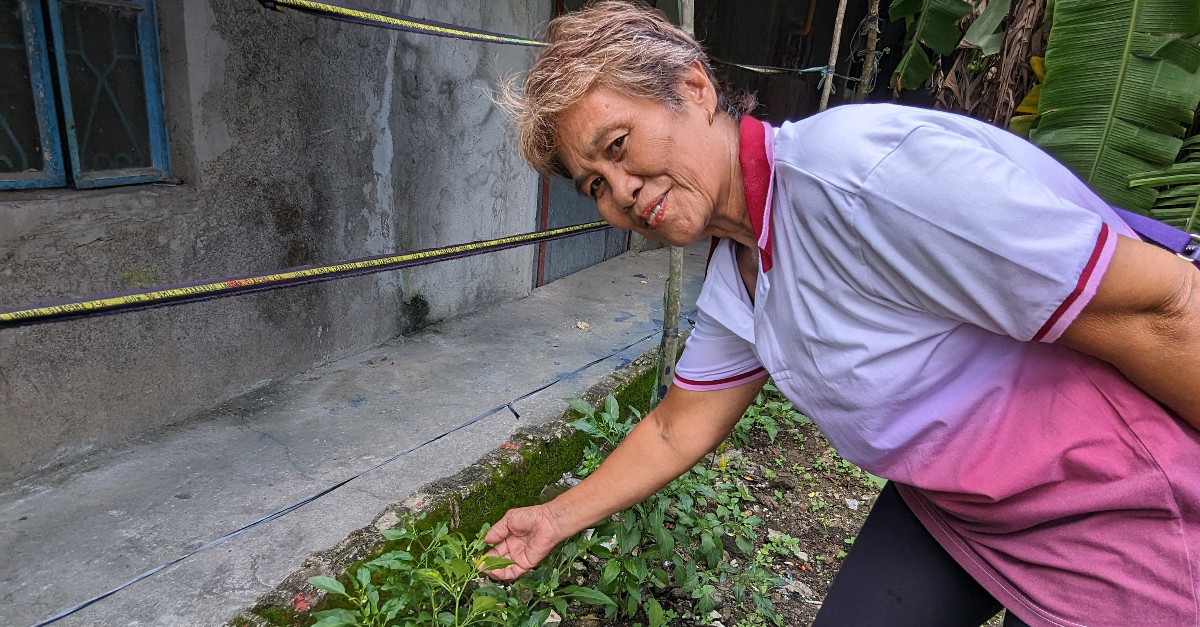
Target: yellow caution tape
(214,288)
(407,23)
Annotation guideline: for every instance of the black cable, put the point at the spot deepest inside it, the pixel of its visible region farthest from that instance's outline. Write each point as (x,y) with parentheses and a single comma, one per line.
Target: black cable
(316,495)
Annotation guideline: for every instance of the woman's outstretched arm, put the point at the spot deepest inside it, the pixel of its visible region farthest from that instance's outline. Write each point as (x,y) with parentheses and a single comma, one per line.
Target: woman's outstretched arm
(684,427)
(1145,320)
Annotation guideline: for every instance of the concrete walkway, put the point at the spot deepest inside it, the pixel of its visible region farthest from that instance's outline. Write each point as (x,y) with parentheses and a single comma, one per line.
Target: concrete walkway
(77,532)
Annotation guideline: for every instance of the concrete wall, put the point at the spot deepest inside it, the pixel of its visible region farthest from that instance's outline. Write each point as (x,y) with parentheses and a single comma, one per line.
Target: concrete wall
(297,140)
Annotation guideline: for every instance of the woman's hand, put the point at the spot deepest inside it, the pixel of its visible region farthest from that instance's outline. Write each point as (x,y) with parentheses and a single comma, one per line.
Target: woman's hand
(665,444)
(526,536)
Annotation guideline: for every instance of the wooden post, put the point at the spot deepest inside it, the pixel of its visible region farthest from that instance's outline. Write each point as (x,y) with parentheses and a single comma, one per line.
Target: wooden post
(868,70)
(669,348)
(687,16)
(833,55)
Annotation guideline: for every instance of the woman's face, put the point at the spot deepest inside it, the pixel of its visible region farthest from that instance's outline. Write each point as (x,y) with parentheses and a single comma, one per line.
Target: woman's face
(659,172)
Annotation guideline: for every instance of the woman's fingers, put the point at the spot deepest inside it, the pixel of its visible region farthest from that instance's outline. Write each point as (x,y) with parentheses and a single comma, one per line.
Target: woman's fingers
(498,531)
(522,536)
(513,537)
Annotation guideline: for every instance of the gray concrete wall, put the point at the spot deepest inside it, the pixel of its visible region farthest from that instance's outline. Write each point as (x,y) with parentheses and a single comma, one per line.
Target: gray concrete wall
(297,140)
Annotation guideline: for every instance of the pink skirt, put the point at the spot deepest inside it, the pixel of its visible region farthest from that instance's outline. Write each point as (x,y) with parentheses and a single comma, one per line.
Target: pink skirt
(1080,508)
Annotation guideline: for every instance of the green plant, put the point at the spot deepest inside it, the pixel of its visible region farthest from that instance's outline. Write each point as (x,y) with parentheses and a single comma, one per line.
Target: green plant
(769,412)
(432,579)
(782,545)
(434,586)
(1178,188)
(932,23)
(985,32)
(429,577)
(605,428)
(1120,89)
(685,525)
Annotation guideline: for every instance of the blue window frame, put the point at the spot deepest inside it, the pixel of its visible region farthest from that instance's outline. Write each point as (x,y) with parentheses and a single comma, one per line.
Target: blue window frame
(103,59)
(30,145)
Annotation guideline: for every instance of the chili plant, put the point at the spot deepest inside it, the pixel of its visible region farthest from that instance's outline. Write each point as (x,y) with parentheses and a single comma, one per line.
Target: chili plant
(683,529)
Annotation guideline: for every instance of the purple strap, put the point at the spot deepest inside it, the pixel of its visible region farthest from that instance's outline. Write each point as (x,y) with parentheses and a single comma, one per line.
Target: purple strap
(1163,235)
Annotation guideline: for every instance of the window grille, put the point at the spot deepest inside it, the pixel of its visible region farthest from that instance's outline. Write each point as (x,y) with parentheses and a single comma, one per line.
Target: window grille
(85,92)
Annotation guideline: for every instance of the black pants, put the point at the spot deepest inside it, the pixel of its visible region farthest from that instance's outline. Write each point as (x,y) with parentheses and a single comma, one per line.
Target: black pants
(897,575)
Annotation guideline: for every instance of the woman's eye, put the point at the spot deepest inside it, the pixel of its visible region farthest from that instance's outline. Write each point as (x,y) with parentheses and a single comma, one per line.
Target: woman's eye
(595,187)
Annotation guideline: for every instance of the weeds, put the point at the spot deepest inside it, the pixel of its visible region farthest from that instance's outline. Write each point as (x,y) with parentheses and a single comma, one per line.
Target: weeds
(676,539)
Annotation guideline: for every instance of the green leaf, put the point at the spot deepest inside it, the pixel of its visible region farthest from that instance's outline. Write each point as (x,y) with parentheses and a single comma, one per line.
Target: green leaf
(627,539)
(611,407)
(483,603)
(610,572)
(654,612)
(429,576)
(392,607)
(582,406)
(494,562)
(666,541)
(588,428)
(364,576)
(336,618)
(328,584)
(536,619)
(1178,188)
(983,31)
(638,567)
(660,578)
(933,23)
(587,596)
(1119,91)
(395,534)
(460,568)
(744,544)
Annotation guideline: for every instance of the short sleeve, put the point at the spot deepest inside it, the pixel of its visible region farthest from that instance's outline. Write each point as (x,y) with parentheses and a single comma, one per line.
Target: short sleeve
(720,351)
(950,226)
(715,358)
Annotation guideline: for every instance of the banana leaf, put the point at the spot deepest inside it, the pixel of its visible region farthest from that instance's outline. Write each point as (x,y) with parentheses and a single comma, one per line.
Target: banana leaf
(933,23)
(1178,202)
(985,32)
(1023,124)
(1122,85)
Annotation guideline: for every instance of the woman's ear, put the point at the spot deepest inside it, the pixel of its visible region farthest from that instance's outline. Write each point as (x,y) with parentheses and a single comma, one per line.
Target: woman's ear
(697,89)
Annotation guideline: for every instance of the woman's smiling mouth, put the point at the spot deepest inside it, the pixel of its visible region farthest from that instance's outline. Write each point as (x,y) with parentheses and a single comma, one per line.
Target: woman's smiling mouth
(653,214)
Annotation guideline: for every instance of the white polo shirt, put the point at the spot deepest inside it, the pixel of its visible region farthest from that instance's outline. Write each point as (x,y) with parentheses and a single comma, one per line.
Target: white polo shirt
(913,250)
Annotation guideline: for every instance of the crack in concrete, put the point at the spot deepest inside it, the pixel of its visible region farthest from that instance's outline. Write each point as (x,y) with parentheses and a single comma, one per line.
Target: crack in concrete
(254,572)
(372,494)
(287,451)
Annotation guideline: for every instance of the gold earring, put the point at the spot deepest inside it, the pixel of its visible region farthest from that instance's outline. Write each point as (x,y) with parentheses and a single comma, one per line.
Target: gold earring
(710,118)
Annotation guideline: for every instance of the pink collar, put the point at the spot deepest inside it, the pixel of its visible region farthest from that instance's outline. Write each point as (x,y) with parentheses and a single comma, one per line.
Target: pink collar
(756,154)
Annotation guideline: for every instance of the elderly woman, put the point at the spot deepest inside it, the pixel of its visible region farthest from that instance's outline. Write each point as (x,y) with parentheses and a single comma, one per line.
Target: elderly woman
(955,310)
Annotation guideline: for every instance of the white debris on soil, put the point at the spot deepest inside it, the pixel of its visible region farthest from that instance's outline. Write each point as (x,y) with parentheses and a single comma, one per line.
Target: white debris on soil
(852,504)
(798,588)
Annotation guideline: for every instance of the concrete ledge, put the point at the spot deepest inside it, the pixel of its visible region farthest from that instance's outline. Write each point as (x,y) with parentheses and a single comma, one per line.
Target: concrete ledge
(508,476)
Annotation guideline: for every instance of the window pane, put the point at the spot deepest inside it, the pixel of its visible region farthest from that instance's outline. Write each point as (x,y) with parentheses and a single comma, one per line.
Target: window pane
(108,92)
(20,143)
